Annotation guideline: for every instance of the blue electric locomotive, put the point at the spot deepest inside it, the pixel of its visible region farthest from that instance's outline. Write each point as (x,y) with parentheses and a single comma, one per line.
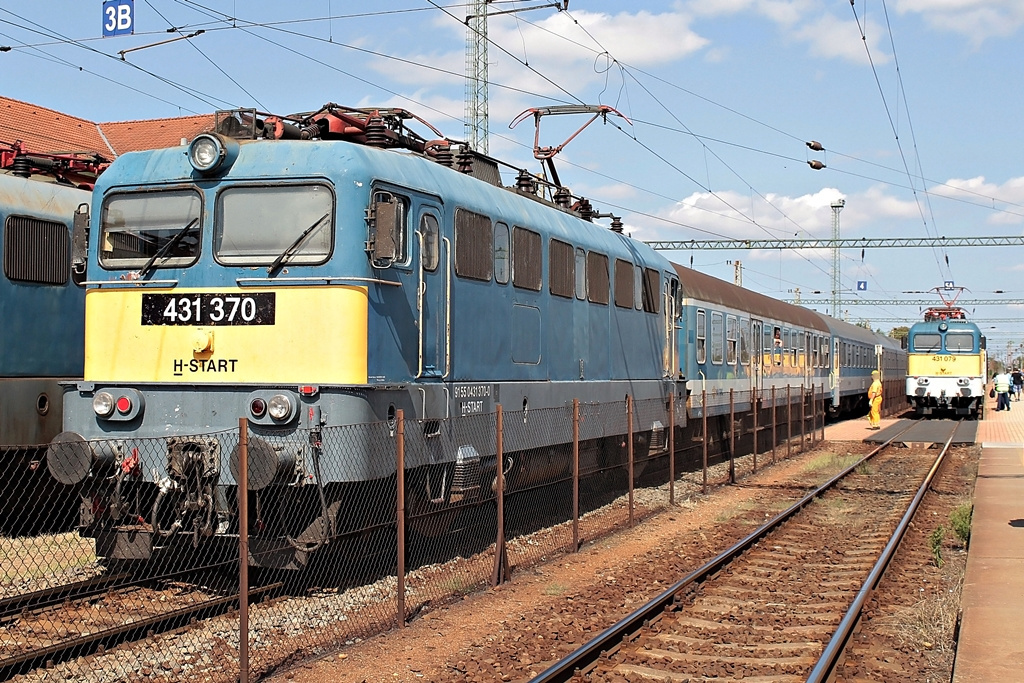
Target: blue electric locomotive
(324,271)
(42,310)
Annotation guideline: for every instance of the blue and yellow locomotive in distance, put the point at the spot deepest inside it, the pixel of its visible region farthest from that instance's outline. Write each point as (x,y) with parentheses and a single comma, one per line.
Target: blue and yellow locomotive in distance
(946,364)
(326,270)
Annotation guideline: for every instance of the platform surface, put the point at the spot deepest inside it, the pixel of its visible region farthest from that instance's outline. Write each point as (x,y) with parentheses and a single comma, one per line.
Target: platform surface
(927,430)
(991,644)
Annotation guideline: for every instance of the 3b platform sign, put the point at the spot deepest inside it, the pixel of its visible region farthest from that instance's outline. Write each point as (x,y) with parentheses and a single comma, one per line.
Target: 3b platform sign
(118,18)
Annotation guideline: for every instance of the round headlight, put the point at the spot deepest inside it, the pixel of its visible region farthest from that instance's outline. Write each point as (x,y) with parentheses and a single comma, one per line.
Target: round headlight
(280,407)
(206,153)
(103,404)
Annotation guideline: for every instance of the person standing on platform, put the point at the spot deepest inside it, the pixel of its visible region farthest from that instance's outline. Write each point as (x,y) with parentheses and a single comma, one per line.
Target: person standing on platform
(875,401)
(1002,382)
(1018,383)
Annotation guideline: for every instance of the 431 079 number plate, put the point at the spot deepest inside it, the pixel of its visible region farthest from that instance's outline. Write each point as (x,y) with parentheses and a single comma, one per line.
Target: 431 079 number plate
(257,308)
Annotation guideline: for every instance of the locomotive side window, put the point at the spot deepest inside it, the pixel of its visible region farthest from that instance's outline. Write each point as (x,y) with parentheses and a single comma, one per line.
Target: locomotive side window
(561,264)
(473,244)
(623,284)
(638,288)
(430,234)
(258,225)
(730,340)
(597,278)
(526,259)
(702,334)
(650,291)
(581,274)
(959,342)
(502,254)
(36,251)
(717,338)
(135,227)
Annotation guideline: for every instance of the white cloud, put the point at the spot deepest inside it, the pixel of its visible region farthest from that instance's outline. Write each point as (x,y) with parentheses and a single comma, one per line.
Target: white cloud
(1008,207)
(978,20)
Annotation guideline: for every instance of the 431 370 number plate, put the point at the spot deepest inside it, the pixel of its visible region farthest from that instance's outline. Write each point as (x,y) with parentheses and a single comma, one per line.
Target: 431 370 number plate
(257,308)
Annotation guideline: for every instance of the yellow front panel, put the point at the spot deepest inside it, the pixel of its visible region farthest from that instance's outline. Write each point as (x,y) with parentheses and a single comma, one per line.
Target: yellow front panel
(944,365)
(318,337)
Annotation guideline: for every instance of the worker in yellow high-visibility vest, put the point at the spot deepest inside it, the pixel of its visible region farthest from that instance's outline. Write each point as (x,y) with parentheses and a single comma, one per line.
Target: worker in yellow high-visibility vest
(875,401)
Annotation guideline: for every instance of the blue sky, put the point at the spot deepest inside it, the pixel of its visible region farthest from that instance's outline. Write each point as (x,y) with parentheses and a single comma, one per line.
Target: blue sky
(917,103)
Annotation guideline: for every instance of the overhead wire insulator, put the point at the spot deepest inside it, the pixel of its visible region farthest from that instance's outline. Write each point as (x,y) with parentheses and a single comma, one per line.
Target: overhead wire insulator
(815,164)
(815,145)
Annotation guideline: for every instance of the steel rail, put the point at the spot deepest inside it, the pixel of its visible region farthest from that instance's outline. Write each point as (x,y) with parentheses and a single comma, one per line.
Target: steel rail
(564,669)
(830,657)
(47,597)
(96,643)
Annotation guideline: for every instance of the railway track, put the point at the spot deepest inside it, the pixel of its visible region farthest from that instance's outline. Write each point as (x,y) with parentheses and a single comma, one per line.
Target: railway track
(781,604)
(58,624)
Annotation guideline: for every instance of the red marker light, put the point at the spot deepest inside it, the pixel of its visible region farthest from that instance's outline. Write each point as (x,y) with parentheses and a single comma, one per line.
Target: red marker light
(124,405)
(258,407)
(308,390)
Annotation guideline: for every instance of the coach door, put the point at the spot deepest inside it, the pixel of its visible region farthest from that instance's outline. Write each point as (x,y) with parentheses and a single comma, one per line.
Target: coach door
(433,302)
(756,355)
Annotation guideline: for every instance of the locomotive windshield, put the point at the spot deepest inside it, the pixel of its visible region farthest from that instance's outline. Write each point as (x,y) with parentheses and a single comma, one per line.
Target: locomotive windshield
(135,227)
(959,342)
(927,343)
(256,225)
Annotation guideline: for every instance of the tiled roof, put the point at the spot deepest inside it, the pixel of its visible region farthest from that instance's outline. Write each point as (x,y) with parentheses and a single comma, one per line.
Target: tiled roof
(132,136)
(46,130)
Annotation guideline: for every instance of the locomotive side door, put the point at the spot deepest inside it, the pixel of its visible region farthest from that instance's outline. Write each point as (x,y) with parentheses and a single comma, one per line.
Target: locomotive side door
(433,296)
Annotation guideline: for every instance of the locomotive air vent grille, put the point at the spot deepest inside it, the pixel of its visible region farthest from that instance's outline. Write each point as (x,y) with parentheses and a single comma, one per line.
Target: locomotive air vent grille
(36,251)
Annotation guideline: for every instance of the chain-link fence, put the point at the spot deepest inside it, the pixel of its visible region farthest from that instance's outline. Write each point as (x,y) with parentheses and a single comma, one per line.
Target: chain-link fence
(121,557)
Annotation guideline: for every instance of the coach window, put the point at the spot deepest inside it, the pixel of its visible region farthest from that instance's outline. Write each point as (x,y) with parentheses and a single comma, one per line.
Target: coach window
(502,263)
(797,347)
(526,259)
(717,338)
(815,350)
(730,340)
(135,227)
(473,244)
(597,278)
(744,341)
(561,261)
(702,334)
(429,233)
(623,284)
(581,274)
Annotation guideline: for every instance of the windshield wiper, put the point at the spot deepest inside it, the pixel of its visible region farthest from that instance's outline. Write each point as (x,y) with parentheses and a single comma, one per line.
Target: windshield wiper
(168,245)
(295,245)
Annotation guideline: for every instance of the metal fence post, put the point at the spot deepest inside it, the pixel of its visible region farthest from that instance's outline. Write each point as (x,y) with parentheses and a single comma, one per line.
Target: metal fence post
(400,510)
(803,417)
(243,550)
(824,411)
(575,475)
(501,569)
(629,428)
(704,425)
(732,436)
(789,421)
(775,423)
(755,397)
(672,447)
